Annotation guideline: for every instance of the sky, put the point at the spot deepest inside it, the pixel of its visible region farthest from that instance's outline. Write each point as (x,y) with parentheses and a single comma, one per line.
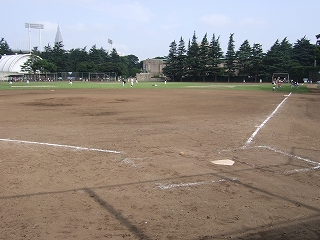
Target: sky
(146,28)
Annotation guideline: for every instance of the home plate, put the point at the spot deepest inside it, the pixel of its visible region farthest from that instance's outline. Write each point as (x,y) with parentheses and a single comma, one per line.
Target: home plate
(226,162)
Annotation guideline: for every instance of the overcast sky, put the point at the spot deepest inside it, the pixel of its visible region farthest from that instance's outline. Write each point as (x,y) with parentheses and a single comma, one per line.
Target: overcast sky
(146,28)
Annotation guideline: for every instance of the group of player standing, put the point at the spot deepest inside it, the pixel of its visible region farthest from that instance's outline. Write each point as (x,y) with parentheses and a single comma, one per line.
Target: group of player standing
(130,80)
(276,83)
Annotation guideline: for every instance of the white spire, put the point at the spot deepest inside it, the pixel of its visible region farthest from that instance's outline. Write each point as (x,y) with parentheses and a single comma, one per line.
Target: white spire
(58,36)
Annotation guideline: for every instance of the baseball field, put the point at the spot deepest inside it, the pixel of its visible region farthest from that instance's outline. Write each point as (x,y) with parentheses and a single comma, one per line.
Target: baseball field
(192,161)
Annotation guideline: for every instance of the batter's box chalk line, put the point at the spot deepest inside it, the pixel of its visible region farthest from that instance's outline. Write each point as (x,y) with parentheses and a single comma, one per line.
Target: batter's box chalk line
(192,184)
(60,146)
(316,165)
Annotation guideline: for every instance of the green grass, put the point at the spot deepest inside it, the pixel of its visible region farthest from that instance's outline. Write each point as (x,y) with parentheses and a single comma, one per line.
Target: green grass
(150,85)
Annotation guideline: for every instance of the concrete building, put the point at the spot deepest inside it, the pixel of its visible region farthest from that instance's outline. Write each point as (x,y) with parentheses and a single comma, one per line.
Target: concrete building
(10,66)
(152,70)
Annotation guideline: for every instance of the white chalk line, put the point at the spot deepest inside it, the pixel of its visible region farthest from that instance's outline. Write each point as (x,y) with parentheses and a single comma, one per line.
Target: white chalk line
(191,184)
(35,86)
(289,155)
(60,145)
(279,151)
(264,122)
(302,170)
(317,167)
(307,160)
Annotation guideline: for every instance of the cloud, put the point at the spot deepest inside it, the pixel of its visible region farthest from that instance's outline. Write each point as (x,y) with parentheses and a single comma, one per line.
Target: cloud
(132,11)
(170,26)
(252,22)
(216,20)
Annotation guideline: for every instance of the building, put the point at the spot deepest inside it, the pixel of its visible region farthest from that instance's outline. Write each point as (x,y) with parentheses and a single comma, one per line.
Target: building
(58,38)
(151,70)
(10,66)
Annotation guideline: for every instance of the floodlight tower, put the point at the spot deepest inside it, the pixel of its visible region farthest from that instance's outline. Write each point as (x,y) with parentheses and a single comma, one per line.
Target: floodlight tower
(35,26)
(110,42)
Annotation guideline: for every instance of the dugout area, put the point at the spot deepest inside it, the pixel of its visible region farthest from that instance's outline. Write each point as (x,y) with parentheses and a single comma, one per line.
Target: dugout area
(282,76)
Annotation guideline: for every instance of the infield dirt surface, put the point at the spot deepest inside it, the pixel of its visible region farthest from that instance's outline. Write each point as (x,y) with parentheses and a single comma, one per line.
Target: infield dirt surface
(106,164)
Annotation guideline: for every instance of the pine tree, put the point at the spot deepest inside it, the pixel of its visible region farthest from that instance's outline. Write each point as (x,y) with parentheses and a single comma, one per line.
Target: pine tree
(204,57)
(286,54)
(215,58)
(192,60)
(230,58)
(272,58)
(181,59)
(302,58)
(257,58)
(59,57)
(4,48)
(171,62)
(278,58)
(244,59)
(303,52)
(317,51)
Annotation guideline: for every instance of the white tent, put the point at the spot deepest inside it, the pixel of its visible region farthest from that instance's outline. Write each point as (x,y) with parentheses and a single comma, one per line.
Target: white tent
(10,65)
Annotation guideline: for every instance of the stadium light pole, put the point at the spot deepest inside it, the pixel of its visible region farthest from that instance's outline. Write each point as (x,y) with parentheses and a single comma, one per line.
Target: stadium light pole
(35,26)
(110,42)
(27,25)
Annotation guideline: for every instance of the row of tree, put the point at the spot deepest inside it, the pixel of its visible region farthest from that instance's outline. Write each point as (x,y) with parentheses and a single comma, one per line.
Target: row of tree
(96,60)
(206,59)
(197,61)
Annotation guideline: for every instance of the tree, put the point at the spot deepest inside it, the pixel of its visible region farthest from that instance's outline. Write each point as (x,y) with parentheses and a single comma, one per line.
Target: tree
(230,66)
(75,57)
(133,61)
(215,58)
(114,56)
(32,65)
(171,61)
(47,53)
(59,57)
(204,57)
(98,56)
(181,58)
(46,67)
(303,52)
(278,58)
(87,66)
(4,48)
(132,64)
(286,55)
(272,59)
(192,59)
(244,59)
(302,58)
(317,51)
(118,67)
(257,58)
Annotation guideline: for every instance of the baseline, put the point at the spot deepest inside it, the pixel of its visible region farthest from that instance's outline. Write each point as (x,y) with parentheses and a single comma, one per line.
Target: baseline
(264,122)
(61,145)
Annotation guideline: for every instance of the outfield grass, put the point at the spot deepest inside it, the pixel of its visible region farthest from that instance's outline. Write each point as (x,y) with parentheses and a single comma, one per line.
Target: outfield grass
(149,85)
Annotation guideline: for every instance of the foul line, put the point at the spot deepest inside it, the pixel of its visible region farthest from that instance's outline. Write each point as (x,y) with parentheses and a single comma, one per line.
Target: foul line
(264,122)
(60,145)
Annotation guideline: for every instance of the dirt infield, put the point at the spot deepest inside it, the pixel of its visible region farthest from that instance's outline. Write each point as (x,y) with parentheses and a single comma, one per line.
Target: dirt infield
(137,164)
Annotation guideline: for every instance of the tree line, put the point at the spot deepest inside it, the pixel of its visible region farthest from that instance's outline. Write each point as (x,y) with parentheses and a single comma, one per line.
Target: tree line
(95,60)
(205,61)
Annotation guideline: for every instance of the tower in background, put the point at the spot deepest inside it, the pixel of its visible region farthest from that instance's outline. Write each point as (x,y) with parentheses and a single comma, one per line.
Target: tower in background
(58,36)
